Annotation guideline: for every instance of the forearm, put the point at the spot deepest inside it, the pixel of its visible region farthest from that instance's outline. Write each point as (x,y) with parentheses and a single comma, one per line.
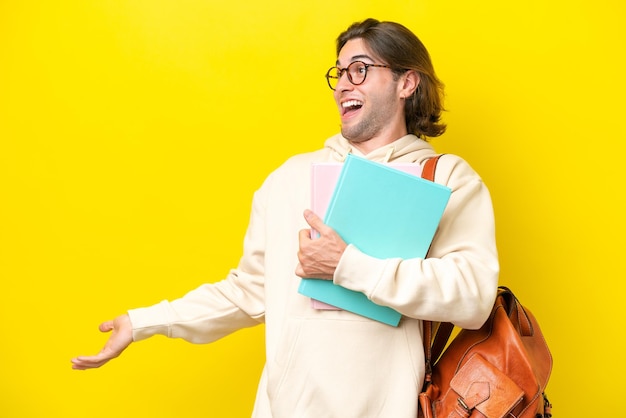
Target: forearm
(203,315)
(451,289)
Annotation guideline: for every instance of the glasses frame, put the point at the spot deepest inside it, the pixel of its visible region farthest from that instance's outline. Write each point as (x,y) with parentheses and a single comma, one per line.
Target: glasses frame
(341,71)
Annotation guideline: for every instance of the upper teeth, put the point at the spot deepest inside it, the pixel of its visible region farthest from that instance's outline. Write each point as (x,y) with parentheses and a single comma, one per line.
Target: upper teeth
(351,103)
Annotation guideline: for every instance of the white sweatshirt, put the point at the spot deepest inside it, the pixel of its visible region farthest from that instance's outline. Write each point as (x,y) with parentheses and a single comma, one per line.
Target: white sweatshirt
(335,363)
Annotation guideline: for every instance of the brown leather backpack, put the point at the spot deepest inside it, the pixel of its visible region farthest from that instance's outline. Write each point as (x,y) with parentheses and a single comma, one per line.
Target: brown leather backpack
(500,370)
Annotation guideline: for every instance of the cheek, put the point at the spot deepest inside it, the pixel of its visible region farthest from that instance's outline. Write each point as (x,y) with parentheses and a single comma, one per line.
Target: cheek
(336,96)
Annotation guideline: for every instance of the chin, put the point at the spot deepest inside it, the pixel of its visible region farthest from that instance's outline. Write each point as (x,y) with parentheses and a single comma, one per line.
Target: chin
(349,134)
(352,136)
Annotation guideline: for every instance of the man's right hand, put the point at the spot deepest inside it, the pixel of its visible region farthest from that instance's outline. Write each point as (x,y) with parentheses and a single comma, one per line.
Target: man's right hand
(318,257)
(121,337)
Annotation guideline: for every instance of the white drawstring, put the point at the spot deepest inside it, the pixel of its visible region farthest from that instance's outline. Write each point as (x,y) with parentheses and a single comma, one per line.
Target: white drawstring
(388,155)
(342,156)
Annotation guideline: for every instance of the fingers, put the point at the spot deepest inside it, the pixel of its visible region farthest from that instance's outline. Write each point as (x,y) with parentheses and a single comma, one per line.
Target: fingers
(88,362)
(313,220)
(92,362)
(106,326)
(300,271)
(304,235)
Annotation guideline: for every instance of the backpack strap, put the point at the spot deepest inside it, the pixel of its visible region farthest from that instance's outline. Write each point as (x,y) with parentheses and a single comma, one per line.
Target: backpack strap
(428,172)
(436,335)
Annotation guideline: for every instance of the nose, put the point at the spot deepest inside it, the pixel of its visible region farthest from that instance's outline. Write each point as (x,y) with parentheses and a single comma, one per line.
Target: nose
(343,83)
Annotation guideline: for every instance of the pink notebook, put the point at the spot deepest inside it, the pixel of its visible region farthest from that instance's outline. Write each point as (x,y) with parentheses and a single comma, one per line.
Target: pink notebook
(324,177)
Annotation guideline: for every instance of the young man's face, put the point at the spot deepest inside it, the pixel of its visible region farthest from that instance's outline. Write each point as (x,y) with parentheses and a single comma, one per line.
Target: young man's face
(372,113)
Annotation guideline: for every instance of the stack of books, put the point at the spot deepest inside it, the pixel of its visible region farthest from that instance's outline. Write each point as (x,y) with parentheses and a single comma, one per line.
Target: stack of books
(385,210)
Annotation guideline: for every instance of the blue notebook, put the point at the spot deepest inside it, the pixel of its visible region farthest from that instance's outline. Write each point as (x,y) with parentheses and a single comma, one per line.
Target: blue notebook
(385,213)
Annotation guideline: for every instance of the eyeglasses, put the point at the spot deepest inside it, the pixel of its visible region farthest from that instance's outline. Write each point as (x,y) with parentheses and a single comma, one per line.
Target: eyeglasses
(357,71)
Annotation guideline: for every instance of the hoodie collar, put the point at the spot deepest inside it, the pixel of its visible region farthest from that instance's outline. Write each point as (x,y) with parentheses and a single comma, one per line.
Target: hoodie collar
(408,148)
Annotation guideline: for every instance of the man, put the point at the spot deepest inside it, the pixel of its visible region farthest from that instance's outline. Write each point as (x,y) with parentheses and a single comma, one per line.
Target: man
(323,363)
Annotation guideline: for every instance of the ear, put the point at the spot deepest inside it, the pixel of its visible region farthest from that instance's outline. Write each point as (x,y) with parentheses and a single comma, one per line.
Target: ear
(408,83)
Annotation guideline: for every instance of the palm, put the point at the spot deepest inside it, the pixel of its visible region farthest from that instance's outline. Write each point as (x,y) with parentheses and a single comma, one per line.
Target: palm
(120,339)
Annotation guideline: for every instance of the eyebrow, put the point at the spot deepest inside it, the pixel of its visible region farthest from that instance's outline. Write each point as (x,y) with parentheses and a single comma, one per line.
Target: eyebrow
(358,58)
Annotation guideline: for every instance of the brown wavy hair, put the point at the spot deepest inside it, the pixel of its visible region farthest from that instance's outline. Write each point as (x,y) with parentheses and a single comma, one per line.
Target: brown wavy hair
(399,48)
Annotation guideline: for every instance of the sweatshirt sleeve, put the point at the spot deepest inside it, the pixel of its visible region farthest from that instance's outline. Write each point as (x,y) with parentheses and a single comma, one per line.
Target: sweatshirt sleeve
(214,310)
(458,281)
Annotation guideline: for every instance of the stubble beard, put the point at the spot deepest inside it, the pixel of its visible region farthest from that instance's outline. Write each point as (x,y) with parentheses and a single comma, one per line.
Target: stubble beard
(377,115)
(364,130)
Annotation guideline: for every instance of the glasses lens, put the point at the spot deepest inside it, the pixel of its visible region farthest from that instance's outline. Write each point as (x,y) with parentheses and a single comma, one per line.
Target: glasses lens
(357,71)
(332,76)
(356,74)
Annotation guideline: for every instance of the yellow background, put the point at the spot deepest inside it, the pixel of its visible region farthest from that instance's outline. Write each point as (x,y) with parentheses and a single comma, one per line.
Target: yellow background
(133,134)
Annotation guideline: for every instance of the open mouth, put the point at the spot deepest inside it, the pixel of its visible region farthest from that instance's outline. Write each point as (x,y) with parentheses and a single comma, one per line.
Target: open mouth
(350,106)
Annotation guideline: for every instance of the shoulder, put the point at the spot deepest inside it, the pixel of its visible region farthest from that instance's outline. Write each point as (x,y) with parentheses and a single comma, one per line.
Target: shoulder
(453,171)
